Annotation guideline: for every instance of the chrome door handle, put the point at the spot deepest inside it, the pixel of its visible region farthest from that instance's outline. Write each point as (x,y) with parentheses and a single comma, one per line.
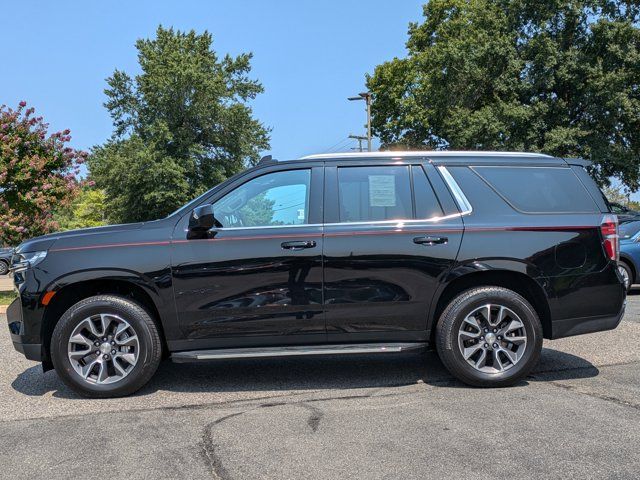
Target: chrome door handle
(430,240)
(298,244)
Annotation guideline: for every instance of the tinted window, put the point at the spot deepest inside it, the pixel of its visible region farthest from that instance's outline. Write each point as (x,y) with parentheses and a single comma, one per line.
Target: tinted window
(628,229)
(374,193)
(427,204)
(539,189)
(279,198)
(592,187)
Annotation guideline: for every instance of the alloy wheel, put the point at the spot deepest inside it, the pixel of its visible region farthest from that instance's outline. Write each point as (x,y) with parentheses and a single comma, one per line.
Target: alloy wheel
(492,338)
(103,349)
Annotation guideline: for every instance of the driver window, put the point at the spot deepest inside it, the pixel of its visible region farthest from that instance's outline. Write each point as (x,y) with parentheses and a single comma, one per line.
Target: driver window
(274,199)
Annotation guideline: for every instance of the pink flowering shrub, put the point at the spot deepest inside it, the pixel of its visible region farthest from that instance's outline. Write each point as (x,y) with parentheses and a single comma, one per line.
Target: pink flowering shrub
(37,174)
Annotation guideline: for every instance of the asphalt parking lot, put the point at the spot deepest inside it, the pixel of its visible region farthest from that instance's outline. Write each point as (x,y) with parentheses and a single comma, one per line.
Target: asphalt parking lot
(368,417)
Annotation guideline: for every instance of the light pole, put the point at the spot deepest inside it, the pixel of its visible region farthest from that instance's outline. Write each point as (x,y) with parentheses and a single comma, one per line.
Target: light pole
(366,96)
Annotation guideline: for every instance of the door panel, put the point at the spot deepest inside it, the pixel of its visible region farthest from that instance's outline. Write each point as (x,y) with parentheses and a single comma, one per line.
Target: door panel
(380,276)
(253,282)
(245,283)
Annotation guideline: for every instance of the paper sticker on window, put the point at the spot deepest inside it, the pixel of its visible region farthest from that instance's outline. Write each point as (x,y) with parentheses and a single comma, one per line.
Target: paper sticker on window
(382,191)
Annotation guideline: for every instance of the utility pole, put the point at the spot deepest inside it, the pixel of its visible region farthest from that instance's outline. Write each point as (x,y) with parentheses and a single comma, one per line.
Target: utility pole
(360,139)
(366,96)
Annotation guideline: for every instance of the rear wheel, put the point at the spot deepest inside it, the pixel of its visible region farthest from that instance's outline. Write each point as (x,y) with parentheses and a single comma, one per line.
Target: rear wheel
(106,346)
(4,267)
(489,337)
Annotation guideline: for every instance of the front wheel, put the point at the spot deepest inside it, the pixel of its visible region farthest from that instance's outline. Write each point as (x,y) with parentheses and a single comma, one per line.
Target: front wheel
(106,346)
(4,267)
(489,337)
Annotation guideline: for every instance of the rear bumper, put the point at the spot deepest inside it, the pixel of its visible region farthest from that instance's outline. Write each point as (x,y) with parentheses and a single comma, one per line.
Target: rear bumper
(578,326)
(32,351)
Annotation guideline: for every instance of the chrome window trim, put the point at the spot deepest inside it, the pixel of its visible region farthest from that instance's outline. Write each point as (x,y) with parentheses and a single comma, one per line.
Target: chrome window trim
(458,194)
(396,222)
(226,229)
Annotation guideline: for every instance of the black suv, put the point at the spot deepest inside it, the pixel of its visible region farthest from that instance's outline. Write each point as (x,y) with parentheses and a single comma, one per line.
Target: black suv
(480,254)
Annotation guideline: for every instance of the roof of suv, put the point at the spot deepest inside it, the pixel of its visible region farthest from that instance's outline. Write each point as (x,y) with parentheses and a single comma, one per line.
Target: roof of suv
(448,157)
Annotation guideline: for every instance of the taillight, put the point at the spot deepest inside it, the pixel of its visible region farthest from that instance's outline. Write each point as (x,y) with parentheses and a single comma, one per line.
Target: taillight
(610,239)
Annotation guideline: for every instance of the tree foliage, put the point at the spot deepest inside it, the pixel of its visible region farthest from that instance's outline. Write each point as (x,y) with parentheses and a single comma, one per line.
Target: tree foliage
(180,127)
(258,211)
(87,210)
(554,76)
(37,173)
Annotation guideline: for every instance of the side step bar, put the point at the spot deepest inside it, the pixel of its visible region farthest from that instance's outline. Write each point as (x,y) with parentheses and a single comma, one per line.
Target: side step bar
(294,351)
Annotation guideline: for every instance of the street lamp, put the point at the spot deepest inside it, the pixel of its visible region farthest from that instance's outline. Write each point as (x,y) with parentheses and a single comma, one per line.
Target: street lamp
(366,96)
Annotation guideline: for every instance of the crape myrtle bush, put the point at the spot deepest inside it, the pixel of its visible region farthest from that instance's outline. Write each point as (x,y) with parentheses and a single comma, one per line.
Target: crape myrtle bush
(37,174)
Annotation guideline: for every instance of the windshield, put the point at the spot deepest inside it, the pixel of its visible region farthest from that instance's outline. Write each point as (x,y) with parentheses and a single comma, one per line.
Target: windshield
(628,229)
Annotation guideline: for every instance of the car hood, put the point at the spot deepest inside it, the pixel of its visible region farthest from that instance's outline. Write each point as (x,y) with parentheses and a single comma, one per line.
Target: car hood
(45,242)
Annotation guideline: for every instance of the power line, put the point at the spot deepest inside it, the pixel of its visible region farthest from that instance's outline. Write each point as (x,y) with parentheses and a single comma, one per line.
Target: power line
(339,146)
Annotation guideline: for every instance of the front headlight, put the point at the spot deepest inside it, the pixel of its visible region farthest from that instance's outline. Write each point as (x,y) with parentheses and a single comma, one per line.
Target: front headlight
(22,261)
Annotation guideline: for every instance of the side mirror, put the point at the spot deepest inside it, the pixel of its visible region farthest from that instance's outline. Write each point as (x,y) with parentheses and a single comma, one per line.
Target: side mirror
(202,219)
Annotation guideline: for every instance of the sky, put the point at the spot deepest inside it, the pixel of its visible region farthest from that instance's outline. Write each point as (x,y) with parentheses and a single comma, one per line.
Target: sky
(309,56)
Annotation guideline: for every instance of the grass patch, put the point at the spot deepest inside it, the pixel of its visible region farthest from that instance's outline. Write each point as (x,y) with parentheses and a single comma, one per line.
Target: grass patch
(7,297)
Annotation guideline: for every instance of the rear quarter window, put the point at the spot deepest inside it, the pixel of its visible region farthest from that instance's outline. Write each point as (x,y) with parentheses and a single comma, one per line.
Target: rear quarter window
(539,189)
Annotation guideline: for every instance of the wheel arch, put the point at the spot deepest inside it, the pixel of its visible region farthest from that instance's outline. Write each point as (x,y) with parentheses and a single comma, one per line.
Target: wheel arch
(71,292)
(517,281)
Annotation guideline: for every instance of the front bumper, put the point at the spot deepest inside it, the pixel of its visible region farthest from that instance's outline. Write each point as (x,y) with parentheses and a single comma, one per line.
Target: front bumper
(32,351)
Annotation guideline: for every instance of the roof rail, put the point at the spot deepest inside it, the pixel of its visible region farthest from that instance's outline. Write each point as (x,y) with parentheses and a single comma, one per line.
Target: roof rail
(426,153)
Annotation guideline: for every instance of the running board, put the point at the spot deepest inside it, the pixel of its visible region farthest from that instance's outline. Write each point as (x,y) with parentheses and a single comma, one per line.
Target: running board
(294,351)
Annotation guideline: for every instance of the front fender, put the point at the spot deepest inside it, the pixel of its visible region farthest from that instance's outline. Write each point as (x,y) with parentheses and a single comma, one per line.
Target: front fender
(149,285)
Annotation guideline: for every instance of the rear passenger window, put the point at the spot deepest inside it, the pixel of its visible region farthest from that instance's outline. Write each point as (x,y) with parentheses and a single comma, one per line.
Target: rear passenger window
(374,193)
(539,189)
(427,205)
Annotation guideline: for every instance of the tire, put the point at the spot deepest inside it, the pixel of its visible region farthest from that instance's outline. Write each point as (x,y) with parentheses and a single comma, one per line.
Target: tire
(140,341)
(4,267)
(627,274)
(459,314)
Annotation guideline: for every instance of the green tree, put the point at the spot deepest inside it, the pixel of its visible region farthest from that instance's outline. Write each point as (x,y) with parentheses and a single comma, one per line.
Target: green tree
(88,209)
(37,171)
(140,182)
(258,211)
(181,126)
(553,76)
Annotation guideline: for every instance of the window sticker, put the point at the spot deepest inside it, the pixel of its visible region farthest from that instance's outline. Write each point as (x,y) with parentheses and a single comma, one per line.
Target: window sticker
(382,190)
